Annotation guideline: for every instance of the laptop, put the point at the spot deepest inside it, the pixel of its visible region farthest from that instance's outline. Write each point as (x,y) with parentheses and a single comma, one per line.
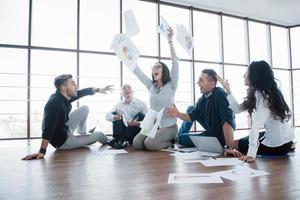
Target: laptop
(207,144)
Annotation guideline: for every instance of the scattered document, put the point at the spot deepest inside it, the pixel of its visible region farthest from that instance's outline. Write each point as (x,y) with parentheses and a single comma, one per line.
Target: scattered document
(131,25)
(163,27)
(241,172)
(221,162)
(187,149)
(194,178)
(126,50)
(111,152)
(196,155)
(185,39)
(187,156)
(151,122)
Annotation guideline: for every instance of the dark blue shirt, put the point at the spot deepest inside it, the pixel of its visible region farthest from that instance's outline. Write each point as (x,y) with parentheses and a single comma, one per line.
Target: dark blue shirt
(212,111)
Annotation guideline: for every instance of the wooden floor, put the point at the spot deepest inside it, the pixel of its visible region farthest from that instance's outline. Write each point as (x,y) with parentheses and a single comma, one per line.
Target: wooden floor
(82,174)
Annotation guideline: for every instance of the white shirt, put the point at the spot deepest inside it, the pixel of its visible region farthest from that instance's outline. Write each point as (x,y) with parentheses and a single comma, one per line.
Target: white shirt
(277,132)
(128,110)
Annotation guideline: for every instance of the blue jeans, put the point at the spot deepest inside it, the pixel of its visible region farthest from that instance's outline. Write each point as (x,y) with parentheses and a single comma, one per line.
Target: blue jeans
(183,136)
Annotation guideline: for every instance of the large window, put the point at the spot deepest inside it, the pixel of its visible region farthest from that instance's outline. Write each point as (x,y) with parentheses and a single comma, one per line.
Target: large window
(207,37)
(280,47)
(258,40)
(99,22)
(295,41)
(13,89)
(234,40)
(69,36)
(14,22)
(297,97)
(234,74)
(54,23)
(145,14)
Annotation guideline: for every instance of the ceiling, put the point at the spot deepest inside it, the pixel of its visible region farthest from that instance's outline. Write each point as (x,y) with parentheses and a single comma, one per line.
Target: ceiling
(283,12)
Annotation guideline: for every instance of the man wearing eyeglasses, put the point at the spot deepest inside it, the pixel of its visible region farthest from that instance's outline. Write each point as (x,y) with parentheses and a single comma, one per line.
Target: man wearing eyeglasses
(59,124)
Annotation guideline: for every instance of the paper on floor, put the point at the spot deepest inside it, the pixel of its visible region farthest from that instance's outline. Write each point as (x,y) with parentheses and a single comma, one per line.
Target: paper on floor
(241,172)
(221,162)
(111,152)
(194,178)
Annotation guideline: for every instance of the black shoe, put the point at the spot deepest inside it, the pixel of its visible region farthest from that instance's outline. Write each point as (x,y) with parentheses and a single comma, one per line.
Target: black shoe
(112,142)
(121,144)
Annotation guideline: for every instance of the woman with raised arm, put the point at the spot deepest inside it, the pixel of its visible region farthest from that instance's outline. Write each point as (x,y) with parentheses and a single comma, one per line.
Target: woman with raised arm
(162,88)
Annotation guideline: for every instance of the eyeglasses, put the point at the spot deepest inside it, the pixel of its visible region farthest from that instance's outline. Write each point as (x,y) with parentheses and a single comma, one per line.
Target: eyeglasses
(158,66)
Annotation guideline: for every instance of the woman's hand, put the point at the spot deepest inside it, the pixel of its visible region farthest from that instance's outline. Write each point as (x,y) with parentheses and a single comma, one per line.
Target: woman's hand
(172,111)
(232,152)
(247,159)
(225,84)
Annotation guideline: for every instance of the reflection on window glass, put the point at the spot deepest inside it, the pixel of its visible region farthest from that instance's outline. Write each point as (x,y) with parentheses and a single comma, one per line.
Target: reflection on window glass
(13,90)
(283,83)
(146,16)
(234,75)
(174,16)
(234,40)
(46,65)
(258,42)
(13,125)
(9,63)
(13,119)
(99,22)
(296,88)
(295,41)
(206,36)
(279,47)
(54,23)
(14,22)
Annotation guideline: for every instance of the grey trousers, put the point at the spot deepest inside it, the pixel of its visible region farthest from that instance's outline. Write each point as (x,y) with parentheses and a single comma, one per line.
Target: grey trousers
(162,139)
(77,120)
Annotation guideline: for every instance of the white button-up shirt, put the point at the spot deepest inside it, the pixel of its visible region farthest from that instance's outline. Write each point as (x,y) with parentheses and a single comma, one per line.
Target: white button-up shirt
(277,133)
(128,110)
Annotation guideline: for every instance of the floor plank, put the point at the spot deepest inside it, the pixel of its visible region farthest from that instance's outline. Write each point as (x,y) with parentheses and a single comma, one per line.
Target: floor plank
(82,174)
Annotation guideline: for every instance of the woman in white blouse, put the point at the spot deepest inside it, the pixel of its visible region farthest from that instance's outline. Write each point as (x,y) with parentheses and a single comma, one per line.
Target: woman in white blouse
(269,111)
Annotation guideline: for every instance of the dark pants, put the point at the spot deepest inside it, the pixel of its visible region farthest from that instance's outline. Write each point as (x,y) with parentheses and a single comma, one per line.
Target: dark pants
(262,149)
(120,131)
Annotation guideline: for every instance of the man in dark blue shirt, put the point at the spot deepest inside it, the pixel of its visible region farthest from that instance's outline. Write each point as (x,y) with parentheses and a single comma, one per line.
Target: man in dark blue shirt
(211,111)
(59,124)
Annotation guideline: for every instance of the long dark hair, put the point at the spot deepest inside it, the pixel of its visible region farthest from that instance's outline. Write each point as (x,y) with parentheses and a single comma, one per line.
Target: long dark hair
(261,78)
(166,77)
